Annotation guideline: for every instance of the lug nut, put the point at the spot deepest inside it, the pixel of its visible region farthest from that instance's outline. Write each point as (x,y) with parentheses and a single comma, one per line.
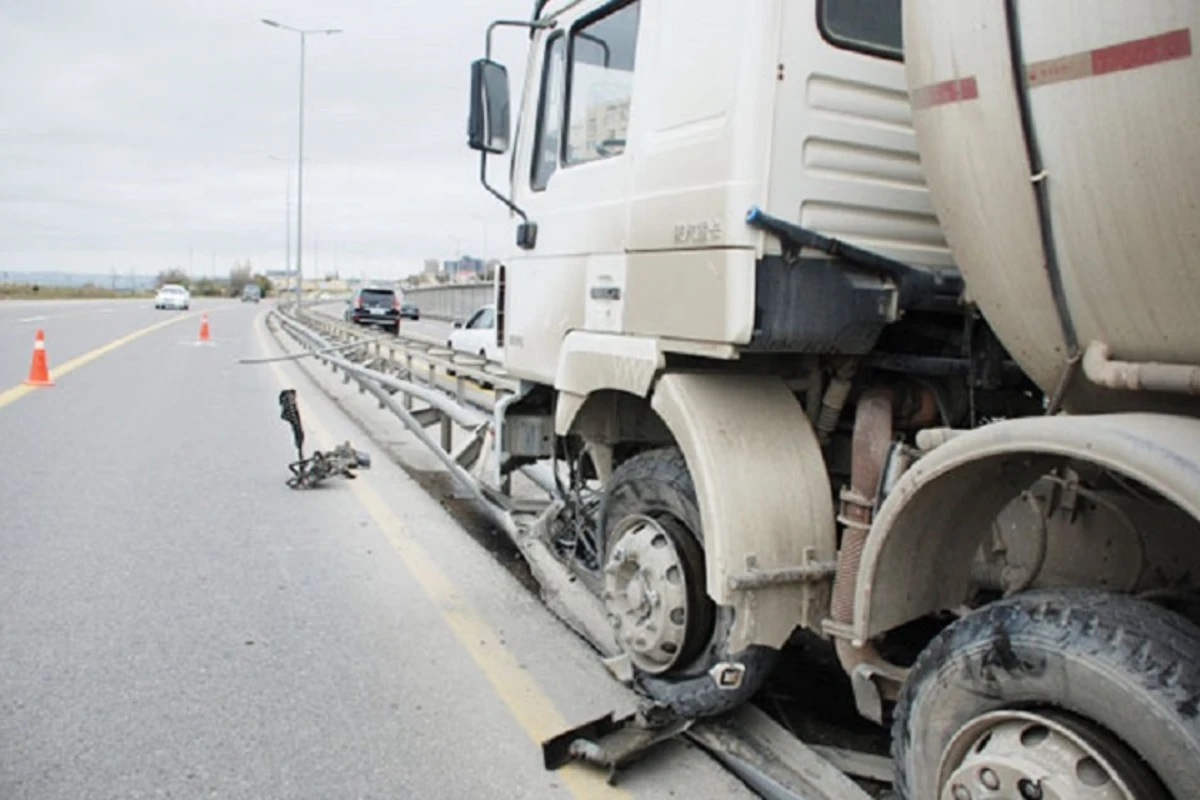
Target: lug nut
(961,792)
(989,779)
(1030,790)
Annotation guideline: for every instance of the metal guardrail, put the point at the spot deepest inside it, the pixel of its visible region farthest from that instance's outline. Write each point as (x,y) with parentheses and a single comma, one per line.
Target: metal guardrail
(406,350)
(762,753)
(410,368)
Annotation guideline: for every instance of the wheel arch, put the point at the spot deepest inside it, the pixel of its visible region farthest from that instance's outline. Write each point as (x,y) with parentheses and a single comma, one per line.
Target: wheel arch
(965,482)
(590,363)
(760,477)
(763,492)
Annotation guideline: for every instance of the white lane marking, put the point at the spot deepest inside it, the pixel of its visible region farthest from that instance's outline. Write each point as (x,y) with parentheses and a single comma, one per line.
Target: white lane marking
(38,318)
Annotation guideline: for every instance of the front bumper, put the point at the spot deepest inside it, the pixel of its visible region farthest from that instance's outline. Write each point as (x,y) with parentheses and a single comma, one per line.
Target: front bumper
(388,320)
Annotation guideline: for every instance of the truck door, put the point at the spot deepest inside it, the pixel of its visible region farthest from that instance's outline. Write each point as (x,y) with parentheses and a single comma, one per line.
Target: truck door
(572,176)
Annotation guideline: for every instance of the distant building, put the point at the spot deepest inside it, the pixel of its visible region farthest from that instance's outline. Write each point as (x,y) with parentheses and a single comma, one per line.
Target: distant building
(603,126)
(432,266)
(465,264)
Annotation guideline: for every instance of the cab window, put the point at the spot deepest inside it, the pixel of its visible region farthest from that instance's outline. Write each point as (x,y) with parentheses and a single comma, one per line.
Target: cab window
(601,58)
(874,27)
(550,113)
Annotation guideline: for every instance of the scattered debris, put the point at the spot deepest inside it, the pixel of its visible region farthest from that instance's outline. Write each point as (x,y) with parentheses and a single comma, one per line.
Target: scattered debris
(614,743)
(309,472)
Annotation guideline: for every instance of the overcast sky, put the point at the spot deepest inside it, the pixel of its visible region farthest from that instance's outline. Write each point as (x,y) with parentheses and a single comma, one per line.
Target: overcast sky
(134,130)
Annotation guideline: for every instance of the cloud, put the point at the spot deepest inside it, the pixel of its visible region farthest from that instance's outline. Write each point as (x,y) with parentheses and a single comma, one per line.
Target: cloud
(135,131)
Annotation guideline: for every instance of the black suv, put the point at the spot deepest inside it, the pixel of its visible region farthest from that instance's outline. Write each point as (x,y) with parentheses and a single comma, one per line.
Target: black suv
(374,306)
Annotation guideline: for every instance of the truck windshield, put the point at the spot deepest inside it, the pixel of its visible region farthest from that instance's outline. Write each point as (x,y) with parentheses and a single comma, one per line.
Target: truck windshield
(868,26)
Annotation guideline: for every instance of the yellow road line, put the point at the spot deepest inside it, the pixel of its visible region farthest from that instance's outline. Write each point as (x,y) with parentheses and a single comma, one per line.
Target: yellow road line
(17,392)
(515,687)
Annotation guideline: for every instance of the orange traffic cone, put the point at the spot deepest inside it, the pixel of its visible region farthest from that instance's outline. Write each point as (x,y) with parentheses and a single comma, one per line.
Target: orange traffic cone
(39,375)
(204,328)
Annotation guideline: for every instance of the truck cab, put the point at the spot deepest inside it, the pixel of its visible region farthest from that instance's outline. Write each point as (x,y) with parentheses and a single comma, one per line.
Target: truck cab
(638,162)
(876,321)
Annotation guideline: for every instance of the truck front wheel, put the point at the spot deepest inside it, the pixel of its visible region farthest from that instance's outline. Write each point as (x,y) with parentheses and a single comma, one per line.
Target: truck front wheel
(654,591)
(1066,694)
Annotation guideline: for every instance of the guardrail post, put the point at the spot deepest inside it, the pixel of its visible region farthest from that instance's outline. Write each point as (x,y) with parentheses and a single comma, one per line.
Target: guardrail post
(408,376)
(505,478)
(447,434)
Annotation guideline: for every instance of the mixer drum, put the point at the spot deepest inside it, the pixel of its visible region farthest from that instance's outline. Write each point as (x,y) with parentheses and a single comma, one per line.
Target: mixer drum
(1113,108)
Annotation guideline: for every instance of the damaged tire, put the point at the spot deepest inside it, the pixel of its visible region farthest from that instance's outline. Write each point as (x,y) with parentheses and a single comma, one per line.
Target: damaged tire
(1066,693)
(654,589)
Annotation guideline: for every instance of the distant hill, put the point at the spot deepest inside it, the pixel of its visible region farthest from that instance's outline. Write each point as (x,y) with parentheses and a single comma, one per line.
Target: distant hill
(122,282)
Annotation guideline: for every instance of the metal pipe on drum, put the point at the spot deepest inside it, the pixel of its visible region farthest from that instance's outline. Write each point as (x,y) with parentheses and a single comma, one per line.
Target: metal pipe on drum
(1139,376)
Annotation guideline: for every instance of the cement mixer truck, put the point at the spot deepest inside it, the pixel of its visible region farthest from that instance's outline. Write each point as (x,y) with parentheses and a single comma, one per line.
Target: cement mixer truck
(878,322)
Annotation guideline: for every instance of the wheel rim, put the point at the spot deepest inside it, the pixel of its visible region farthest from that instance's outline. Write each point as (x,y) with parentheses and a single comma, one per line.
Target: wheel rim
(1043,755)
(649,576)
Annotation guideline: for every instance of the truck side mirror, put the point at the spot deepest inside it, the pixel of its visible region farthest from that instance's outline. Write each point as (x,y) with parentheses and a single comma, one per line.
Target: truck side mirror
(458,323)
(488,126)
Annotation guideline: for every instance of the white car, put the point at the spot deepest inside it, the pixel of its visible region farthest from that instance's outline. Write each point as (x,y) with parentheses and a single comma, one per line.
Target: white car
(478,335)
(172,295)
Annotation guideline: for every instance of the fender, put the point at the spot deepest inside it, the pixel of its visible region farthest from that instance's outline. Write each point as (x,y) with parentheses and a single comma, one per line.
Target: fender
(590,362)
(765,501)
(917,557)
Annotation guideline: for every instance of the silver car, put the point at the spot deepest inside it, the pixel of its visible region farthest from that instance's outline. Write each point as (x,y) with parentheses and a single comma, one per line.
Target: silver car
(172,295)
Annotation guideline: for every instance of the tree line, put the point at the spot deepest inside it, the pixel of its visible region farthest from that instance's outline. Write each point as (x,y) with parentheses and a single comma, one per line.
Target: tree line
(241,275)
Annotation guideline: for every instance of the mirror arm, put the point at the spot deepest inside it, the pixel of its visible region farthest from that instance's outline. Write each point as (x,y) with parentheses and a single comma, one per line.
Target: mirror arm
(533,25)
(483,156)
(483,179)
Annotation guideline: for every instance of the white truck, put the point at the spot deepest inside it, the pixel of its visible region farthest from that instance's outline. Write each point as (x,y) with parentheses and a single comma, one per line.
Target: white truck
(880,322)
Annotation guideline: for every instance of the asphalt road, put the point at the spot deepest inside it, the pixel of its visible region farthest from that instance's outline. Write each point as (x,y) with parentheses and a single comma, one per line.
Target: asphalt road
(176,622)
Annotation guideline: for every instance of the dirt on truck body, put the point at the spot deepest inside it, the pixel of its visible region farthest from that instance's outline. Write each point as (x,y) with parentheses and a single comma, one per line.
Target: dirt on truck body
(877,322)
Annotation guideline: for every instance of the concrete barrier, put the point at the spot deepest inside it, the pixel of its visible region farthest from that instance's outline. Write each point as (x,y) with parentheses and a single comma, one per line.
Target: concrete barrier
(450,302)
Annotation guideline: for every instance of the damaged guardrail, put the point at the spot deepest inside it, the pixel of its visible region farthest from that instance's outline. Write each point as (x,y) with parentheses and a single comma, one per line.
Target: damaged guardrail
(440,409)
(402,374)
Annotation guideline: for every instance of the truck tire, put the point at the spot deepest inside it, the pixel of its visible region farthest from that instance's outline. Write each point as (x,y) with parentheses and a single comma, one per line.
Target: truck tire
(1112,682)
(654,490)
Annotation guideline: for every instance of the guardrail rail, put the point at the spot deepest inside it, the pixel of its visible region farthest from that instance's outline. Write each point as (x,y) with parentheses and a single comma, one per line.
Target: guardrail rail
(426,386)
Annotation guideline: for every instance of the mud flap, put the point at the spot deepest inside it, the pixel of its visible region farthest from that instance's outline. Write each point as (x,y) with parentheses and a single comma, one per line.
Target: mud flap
(614,743)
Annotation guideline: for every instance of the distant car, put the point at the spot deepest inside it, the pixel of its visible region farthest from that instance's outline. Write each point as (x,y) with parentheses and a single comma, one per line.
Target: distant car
(477,335)
(374,306)
(251,293)
(410,311)
(172,295)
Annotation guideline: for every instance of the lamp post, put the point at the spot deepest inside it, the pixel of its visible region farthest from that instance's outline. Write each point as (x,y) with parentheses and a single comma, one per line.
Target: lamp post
(287,219)
(300,151)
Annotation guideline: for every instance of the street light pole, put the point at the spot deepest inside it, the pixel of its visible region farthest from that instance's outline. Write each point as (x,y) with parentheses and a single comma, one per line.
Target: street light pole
(287,219)
(300,154)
